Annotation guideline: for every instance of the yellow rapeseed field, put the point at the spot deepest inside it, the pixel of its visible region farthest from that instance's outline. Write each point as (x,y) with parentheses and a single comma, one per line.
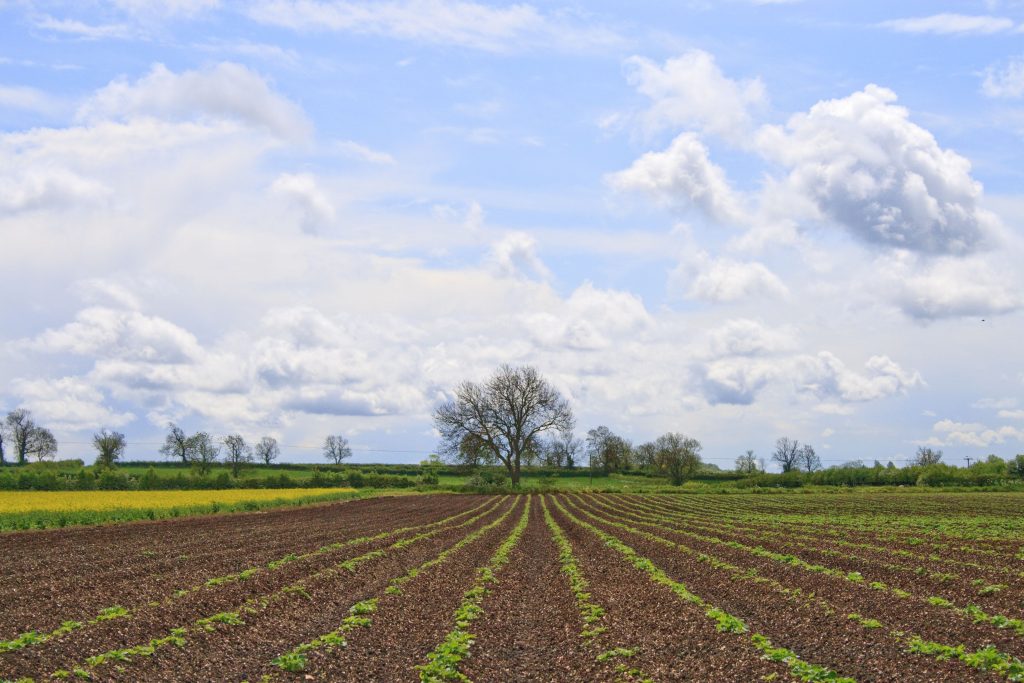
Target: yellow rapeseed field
(100,501)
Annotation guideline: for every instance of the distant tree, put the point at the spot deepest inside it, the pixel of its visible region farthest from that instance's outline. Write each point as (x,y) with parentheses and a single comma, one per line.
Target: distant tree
(20,427)
(3,433)
(110,447)
(562,450)
(42,444)
(177,444)
(926,455)
(1015,467)
(787,453)
(808,459)
(336,449)
(611,452)
(267,450)
(856,464)
(747,463)
(472,453)
(678,456)
(237,453)
(507,415)
(645,455)
(203,452)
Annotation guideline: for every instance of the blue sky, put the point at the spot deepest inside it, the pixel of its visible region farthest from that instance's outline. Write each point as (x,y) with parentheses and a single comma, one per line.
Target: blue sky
(737,220)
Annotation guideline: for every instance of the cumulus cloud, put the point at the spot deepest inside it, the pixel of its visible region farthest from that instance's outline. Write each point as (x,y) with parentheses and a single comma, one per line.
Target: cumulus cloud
(1005,80)
(29,99)
(355,150)
(862,164)
(68,403)
(302,191)
(590,319)
(515,255)
(745,337)
(724,280)
(225,91)
(684,176)
(950,432)
(439,22)
(28,189)
(950,24)
(690,91)
(827,377)
(950,287)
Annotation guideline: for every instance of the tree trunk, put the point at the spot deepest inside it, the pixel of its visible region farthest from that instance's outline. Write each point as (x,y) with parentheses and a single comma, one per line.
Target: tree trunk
(515,473)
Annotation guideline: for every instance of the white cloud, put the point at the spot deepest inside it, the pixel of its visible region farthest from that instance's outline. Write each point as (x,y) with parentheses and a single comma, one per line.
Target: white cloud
(68,403)
(515,255)
(736,381)
(166,8)
(974,434)
(590,319)
(225,91)
(950,24)
(1006,81)
(725,280)
(950,287)
(29,99)
(83,30)
(825,376)
(690,91)
(684,176)
(440,22)
(745,337)
(301,190)
(356,151)
(859,162)
(28,189)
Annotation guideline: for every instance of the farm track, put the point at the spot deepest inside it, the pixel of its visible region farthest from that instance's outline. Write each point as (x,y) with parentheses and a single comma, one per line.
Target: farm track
(918,616)
(70,585)
(847,647)
(567,587)
(920,576)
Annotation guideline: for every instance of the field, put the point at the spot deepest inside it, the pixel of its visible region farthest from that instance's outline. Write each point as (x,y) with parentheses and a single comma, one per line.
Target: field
(42,509)
(574,586)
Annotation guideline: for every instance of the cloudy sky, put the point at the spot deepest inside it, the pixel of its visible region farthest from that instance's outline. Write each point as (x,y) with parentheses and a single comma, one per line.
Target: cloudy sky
(737,220)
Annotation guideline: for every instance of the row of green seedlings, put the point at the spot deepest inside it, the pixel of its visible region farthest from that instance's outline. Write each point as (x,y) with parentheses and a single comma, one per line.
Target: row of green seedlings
(984,588)
(36,637)
(256,605)
(296,659)
(724,622)
(784,517)
(972,612)
(709,521)
(443,662)
(985,659)
(590,612)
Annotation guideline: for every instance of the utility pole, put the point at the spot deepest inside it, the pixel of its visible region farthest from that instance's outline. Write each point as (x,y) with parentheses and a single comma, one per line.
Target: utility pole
(968,459)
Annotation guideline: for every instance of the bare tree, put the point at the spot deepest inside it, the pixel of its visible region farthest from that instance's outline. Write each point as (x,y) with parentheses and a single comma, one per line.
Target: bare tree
(267,450)
(336,449)
(926,456)
(610,451)
(203,452)
(562,451)
(505,415)
(677,456)
(787,453)
(42,444)
(747,463)
(3,433)
(110,446)
(177,444)
(20,426)
(808,459)
(645,455)
(237,453)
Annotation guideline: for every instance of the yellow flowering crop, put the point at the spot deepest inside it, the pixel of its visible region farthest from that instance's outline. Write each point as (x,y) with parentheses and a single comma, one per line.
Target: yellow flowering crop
(98,501)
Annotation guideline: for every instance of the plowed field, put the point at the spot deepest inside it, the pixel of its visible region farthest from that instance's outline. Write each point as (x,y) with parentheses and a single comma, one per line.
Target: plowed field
(566,587)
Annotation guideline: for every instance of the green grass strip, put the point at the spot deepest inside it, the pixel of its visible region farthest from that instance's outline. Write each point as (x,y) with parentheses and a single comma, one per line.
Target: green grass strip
(724,622)
(443,663)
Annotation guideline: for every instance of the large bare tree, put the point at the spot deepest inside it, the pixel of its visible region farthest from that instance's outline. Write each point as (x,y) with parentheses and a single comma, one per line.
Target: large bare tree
(237,453)
(336,449)
(787,453)
(20,429)
(505,416)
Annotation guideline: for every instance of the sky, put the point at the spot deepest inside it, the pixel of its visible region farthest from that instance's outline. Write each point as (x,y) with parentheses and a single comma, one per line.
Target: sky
(738,220)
